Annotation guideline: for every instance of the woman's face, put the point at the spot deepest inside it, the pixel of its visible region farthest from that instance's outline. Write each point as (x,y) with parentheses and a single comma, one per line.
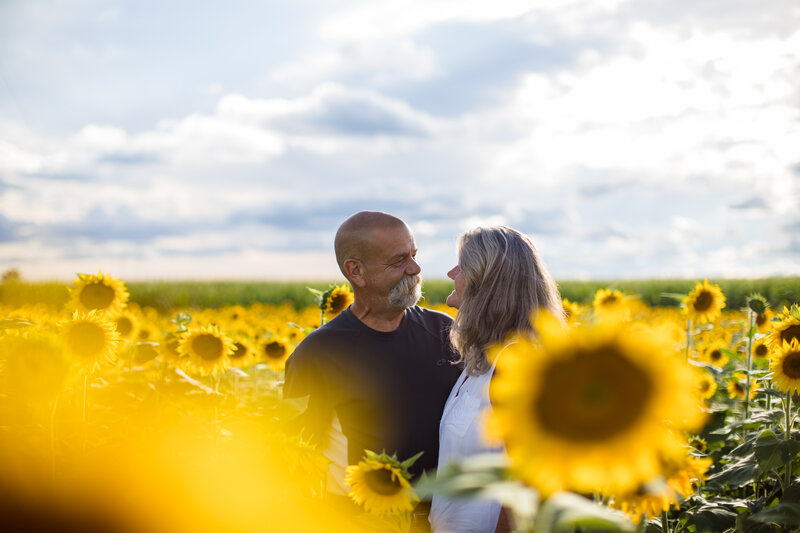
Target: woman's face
(455,298)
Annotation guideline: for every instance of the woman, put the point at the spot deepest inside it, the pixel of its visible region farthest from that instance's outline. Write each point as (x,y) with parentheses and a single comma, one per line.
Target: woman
(499,283)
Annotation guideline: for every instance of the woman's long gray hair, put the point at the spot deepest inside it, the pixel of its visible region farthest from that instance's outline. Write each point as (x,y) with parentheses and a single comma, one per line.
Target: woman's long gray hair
(505,283)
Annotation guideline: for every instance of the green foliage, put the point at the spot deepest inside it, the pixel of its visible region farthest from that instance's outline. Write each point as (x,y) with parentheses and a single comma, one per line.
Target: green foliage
(164,295)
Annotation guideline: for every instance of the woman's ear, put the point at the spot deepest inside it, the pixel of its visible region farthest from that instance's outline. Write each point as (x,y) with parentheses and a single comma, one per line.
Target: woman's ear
(355,273)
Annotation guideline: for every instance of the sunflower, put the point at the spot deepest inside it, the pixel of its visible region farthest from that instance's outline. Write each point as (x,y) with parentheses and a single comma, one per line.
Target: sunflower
(381,484)
(100,293)
(169,349)
(760,347)
(90,338)
(704,304)
(681,475)
(335,300)
(572,310)
(785,366)
(706,384)
(274,351)
(736,387)
(610,301)
(763,321)
(592,406)
(126,325)
(243,354)
(208,350)
(714,354)
(785,328)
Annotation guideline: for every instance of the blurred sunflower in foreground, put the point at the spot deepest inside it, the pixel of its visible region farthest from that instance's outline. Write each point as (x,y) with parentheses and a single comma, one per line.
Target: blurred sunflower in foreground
(705,303)
(381,484)
(100,293)
(592,407)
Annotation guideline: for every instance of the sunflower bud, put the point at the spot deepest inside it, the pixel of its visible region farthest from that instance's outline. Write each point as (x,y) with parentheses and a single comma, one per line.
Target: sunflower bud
(757,303)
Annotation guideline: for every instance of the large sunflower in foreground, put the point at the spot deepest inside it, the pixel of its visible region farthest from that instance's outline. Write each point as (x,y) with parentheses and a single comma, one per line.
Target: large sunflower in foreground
(90,338)
(381,484)
(705,303)
(785,367)
(207,350)
(100,293)
(335,300)
(592,407)
(785,328)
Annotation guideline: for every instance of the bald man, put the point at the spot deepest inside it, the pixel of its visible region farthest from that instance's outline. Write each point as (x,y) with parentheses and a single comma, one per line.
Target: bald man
(382,366)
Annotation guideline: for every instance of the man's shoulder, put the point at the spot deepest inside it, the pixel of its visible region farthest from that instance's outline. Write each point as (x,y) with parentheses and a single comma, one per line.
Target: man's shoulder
(430,316)
(435,323)
(340,330)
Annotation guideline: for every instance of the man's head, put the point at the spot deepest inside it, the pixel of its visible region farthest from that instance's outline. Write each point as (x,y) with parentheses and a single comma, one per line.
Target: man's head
(376,253)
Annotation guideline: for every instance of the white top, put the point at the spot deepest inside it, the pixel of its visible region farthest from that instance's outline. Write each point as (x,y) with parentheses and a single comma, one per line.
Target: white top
(460,436)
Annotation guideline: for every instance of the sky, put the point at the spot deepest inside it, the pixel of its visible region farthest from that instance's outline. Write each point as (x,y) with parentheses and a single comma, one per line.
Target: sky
(208,140)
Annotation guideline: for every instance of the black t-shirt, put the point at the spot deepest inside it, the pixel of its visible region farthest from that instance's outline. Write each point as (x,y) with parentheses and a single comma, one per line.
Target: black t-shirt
(388,388)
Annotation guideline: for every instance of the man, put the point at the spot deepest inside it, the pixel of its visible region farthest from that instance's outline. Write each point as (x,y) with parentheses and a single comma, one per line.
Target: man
(382,366)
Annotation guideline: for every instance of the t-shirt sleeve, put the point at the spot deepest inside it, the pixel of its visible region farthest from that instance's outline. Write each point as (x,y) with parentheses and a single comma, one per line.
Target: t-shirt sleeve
(304,377)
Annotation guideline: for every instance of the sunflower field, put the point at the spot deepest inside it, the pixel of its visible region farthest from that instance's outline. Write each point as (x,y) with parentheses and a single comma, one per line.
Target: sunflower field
(121,417)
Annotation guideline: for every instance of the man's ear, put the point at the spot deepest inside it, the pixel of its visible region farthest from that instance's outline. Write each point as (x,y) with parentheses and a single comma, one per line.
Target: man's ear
(354,271)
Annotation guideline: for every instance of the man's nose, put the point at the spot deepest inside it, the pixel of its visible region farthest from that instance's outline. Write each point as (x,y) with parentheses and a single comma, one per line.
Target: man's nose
(413,267)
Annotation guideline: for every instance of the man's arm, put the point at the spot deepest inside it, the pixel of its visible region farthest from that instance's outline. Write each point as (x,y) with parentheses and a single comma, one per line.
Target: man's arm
(305,378)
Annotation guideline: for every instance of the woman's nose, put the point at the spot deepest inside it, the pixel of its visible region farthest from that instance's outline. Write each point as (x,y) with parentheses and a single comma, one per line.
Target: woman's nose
(453,272)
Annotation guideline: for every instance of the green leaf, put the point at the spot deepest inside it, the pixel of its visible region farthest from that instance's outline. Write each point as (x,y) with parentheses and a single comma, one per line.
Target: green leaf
(772,452)
(785,513)
(710,518)
(674,296)
(737,474)
(795,311)
(411,460)
(566,511)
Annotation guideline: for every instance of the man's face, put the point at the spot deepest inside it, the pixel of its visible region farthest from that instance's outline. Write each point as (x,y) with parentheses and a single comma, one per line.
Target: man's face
(392,270)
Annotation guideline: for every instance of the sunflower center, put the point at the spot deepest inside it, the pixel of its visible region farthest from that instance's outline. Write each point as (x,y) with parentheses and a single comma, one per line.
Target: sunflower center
(609,300)
(716,355)
(207,346)
(762,350)
(124,326)
(275,350)
(382,482)
(239,351)
(172,347)
(761,319)
(792,332)
(97,296)
(86,338)
(593,396)
(703,301)
(705,386)
(791,365)
(336,303)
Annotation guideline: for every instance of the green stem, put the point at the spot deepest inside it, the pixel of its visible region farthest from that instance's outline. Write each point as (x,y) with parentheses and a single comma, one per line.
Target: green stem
(688,336)
(749,363)
(664,522)
(787,411)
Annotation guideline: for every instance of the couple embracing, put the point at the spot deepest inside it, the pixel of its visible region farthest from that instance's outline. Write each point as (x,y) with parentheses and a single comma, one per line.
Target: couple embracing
(387,375)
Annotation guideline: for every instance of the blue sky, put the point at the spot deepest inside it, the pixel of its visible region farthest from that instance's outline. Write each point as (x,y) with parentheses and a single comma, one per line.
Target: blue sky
(630,139)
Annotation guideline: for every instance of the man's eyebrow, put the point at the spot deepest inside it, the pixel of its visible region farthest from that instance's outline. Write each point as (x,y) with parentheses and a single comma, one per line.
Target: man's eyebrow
(399,256)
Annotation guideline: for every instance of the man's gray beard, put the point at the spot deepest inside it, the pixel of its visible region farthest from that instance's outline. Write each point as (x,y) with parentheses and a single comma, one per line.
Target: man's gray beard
(406,293)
